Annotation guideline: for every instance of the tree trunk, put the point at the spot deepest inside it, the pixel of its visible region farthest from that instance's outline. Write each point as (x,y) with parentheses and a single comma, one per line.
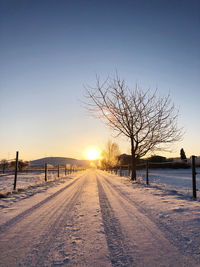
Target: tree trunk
(133,161)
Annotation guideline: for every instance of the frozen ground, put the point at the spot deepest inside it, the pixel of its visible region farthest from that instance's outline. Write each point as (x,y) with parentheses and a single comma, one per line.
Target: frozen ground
(25,179)
(179,180)
(93,218)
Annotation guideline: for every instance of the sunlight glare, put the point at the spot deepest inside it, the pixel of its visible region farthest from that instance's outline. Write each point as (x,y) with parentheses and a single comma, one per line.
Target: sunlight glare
(92,154)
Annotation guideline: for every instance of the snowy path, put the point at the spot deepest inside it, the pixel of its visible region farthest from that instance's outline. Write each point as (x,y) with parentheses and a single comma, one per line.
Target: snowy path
(98,219)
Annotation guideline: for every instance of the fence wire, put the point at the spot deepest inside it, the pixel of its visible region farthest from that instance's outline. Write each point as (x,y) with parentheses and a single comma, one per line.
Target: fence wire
(175,179)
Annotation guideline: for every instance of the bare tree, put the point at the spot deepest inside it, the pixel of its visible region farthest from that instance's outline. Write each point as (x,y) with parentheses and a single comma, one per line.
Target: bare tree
(21,164)
(4,164)
(110,155)
(147,120)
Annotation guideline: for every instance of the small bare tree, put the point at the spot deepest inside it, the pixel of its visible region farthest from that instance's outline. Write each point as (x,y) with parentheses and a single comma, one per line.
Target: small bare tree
(146,119)
(22,165)
(110,155)
(4,164)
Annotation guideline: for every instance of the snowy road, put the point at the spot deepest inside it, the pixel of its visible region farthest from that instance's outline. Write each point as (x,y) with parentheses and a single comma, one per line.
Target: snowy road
(98,219)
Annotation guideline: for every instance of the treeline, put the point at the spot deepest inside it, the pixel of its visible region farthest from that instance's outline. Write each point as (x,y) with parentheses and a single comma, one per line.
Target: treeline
(111,158)
(6,165)
(154,162)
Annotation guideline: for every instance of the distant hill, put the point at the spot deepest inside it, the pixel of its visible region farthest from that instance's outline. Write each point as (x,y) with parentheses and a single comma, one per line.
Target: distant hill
(58,160)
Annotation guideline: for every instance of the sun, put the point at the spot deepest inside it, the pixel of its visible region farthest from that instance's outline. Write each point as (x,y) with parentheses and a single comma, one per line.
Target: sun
(92,154)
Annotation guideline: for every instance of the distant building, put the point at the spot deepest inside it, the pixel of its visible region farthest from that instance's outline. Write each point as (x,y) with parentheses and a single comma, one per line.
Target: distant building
(189,160)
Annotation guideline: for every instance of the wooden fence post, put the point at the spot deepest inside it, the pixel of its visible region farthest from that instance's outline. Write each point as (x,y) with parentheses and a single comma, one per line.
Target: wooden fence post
(194,178)
(16,169)
(65,170)
(120,172)
(129,171)
(147,172)
(45,171)
(58,170)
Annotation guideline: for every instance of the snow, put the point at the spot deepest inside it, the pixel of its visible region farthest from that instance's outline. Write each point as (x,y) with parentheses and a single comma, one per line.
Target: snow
(24,179)
(94,218)
(177,180)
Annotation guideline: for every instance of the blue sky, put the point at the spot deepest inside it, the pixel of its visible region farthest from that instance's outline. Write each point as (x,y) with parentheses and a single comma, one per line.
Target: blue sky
(49,49)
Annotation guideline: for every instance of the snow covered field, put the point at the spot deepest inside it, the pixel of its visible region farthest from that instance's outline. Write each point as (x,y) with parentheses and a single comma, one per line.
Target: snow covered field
(94,218)
(25,179)
(179,180)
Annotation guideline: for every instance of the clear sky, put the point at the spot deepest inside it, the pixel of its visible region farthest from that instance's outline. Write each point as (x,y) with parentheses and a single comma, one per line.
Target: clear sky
(49,49)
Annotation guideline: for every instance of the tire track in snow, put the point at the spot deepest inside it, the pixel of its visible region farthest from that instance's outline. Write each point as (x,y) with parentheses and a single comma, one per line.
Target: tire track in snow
(174,238)
(119,252)
(47,244)
(27,212)
(83,241)
(31,245)
(171,235)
